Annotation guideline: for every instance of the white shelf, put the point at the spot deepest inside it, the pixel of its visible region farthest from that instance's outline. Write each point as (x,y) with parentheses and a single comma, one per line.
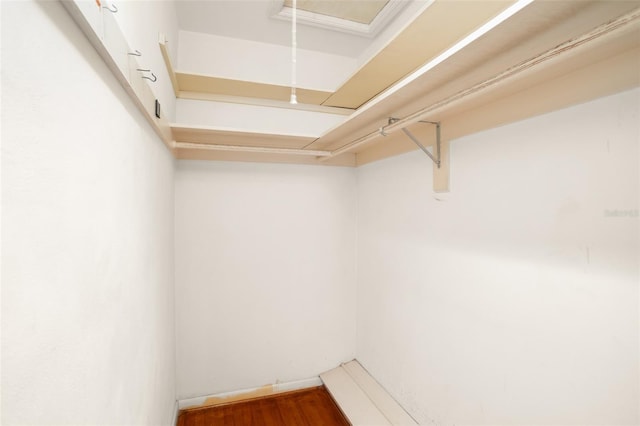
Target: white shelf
(361,398)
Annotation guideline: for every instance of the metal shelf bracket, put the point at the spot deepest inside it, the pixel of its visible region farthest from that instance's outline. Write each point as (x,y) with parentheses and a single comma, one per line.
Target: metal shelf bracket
(437,158)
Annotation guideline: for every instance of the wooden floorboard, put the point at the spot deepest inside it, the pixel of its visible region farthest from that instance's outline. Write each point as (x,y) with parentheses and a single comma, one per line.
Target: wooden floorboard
(307,407)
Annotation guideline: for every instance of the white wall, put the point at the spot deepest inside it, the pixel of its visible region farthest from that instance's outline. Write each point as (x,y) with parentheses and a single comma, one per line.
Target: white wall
(87,241)
(265,273)
(513,299)
(238,59)
(252,118)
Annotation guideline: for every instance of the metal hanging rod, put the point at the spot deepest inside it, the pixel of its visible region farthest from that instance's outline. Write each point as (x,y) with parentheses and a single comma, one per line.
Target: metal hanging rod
(619,24)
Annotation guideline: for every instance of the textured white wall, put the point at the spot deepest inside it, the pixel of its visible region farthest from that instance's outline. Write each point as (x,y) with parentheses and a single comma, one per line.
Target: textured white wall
(514,298)
(87,241)
(265,273)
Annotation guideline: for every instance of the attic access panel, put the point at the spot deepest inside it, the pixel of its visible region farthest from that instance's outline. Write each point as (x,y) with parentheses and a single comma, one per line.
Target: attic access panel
(365,18)
(362,12)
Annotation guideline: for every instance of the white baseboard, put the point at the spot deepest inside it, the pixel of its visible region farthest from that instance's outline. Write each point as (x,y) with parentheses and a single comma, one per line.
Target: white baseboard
(225,397)
(357,393)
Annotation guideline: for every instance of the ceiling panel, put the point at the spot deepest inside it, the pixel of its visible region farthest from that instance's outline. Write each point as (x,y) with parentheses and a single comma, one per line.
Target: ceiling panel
(361,11)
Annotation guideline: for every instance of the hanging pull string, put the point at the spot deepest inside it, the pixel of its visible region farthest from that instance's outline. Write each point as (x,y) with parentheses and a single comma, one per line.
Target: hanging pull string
(294,46)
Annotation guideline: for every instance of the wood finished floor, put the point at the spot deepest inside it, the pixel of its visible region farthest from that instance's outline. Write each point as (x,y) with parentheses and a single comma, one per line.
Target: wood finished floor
(307,407)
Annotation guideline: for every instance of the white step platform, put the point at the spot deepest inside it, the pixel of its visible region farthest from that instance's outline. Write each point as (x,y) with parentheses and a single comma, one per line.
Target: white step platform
(362,400)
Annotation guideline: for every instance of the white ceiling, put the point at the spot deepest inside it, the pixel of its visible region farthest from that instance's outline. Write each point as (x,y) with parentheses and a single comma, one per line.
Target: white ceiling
(252,20)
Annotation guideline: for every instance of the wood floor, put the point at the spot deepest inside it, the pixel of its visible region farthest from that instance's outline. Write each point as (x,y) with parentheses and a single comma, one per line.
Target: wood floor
(312,407)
